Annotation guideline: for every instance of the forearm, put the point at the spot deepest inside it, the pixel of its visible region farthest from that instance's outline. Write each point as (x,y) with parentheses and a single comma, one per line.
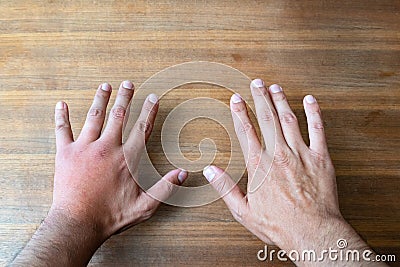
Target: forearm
(60,240)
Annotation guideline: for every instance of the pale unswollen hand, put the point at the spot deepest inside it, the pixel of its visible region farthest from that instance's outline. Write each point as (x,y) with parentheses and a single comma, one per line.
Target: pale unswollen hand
(296,205)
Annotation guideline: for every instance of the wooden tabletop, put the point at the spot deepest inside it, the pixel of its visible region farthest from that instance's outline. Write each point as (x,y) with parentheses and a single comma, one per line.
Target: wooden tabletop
(346,53)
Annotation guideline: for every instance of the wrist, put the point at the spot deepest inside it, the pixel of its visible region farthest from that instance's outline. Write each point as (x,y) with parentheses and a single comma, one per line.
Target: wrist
(60,240)
(83,216)
(77,225)
(79,239)
(328,239)
(323,235)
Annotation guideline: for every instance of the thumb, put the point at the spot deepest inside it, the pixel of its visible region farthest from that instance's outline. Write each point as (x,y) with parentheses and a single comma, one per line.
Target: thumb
(229,191)
(166,187)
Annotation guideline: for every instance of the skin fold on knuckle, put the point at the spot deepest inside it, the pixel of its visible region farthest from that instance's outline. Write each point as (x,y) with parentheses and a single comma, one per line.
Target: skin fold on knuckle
(245,128)
(317,126)
(237,214)
(101,96)
(242,213)
(149,109)
(125,93)
(118,113)
(61,125)
(314,109)
(281,158)
(320,160)
(254,161)
(279,97)
(168,188)
(146,211)
(121,162)
(267,116)
(101,152)
(171,188)
(61,122)
(238,107)
(221,186)
(260,91)
(288,118)
(95,112)
(144,127)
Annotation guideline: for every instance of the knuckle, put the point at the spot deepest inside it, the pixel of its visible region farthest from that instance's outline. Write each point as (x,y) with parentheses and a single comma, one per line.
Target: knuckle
(118,112)
(121,162)
(101,95)
(245,128)
(149,109)
(144,126)
(59,117)
(102,152)
(238,107)
(146,211)
(288,118)
(260,91)
(267,116)
(169,187)
(236,215)
(61,125)
(317,126)
(125,93)
(221,185)
(315,111)
(281,158)
(95,112)
(61,122)
(239,214)
(147,215)
(320,157)
(317,156)
(254,160)
(279,96)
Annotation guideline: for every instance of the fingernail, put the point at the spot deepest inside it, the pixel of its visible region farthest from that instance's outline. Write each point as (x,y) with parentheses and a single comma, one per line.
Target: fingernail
(310,99)
(60,105)
(209,173)
(127,84)
(153,98)
(275,88)
(106,87)
(258,83)
(182,176)
(236,98)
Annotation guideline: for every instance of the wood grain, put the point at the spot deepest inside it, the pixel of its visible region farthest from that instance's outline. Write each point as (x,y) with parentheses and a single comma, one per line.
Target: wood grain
(346,53)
